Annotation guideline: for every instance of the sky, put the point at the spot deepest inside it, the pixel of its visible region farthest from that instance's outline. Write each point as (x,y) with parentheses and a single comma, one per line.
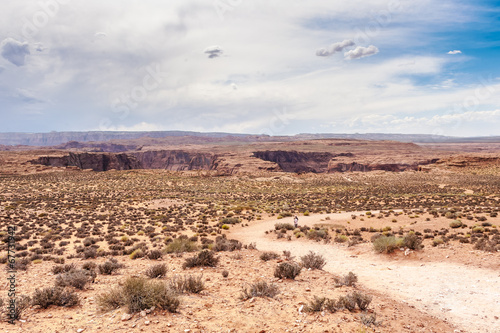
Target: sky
(277,67)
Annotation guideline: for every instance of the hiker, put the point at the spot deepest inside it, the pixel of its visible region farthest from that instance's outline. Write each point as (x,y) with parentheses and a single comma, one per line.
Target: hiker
(296,221)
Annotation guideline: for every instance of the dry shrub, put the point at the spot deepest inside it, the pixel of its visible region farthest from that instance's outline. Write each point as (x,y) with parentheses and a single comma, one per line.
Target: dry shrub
(259,289)
(349,279)
(203,258)
(156,271)
(155,254)
(286,270)
(139,294)
(223,244)
(266,256)
(109,267)
(313,261)
(187,284)
(54,296)
(63,268)
(76,278)
(316,305)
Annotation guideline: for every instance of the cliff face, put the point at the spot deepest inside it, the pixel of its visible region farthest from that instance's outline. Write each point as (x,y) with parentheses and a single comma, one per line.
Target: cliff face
(176,160)
(230,163)
(165,159)
(96,162)
(293,161)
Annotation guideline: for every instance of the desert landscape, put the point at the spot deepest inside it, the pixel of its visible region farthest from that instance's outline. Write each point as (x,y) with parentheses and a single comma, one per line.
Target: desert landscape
(185,234)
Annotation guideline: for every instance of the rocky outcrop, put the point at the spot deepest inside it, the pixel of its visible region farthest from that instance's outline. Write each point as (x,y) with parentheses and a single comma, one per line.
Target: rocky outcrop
(176,160)
(294,161)
(96,162)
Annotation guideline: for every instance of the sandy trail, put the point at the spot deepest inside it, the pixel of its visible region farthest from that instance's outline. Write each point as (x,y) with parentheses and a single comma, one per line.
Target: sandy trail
(468,297)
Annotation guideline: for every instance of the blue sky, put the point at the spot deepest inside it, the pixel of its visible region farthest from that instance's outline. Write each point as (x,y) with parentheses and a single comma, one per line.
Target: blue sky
(280,67)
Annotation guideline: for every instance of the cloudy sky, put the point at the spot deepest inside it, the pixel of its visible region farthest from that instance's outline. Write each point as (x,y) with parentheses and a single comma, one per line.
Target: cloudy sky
(251,66)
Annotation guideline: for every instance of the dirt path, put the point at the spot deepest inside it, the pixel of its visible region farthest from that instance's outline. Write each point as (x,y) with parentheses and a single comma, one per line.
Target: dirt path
(467,297)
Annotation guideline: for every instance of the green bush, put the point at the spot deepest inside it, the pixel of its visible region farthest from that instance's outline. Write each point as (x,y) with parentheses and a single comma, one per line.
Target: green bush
(387,244)
(180,245)
(455,224)
(317,234)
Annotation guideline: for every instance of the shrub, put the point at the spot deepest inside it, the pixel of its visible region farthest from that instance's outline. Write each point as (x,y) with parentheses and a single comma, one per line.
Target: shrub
(478,229)
(63,268)
(76,278)
(180,245)
(90,253)
(455,224)
(317,235)
(139,294)
(286,270)
(341,238)
(259,289)
(225,273)
(316,305)
(156,271)
(284,226)
(346,302)
(19,265)
(225,227)
(109,267)
(387,244)
(288,255)
(138,253)
(437,241)
(313,261)
(368,319)
(266,256)
(155,254)
(348,280)
(223,244)
(412,241)
(89,266)
(203,258)
(54,296)
(111,300)
(187,284)
(362,300)
(22,303)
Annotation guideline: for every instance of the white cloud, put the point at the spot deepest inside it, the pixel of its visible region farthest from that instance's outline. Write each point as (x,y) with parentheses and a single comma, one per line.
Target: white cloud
(15,51)
(334,48)
(455,52)
(271,65)
(213,51)
(361,52)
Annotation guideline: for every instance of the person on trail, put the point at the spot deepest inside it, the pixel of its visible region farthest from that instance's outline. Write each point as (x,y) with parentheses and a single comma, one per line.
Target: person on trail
(296,221)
